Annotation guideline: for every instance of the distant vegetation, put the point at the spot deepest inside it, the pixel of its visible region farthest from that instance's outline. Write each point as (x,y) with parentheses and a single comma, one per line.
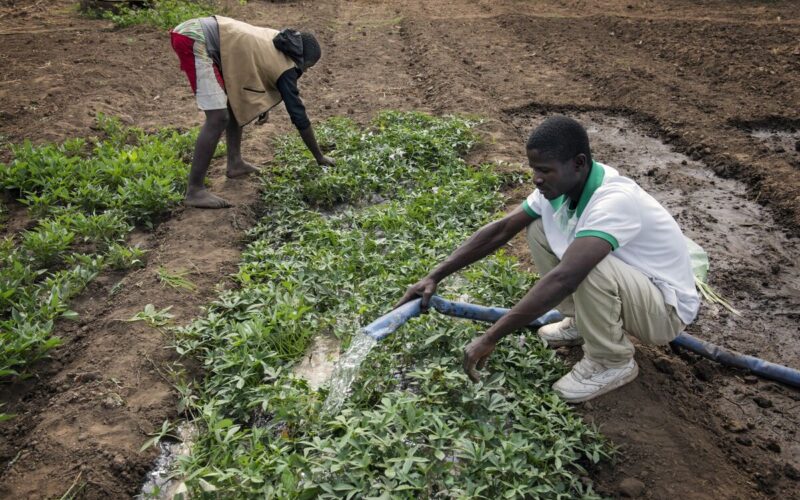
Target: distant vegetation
(160,13)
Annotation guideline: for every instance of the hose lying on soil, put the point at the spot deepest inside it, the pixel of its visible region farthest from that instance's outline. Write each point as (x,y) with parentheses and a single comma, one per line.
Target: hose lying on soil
(388,323)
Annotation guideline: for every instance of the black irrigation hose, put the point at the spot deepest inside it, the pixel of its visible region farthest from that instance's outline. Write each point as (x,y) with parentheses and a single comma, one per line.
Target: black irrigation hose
(727,357)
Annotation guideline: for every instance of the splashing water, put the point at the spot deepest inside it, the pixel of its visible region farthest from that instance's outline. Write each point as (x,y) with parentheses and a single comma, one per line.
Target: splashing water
(159,483)
(346,370)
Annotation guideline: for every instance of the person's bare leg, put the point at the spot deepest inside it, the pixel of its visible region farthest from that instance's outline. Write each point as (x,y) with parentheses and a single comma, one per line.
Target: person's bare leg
(207,140)
(237,167)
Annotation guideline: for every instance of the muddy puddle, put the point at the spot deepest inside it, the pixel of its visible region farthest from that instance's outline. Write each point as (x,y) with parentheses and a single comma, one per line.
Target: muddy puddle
(778,141)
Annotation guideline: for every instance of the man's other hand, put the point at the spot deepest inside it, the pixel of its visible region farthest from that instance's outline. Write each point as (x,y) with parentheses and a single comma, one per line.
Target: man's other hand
(475,356)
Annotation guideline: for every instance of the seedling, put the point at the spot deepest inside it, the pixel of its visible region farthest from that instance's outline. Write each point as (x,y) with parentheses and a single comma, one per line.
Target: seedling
(117,288)
(120,257)
(165,431)
(152,316)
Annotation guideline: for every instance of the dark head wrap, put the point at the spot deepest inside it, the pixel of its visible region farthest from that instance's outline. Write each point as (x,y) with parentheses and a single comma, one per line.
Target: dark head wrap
(301,47)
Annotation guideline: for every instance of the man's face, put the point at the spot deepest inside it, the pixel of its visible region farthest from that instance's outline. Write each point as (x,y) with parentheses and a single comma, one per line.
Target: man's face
(553,177)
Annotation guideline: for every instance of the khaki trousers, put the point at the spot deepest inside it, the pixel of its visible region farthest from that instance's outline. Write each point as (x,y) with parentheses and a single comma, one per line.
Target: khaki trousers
(613,300)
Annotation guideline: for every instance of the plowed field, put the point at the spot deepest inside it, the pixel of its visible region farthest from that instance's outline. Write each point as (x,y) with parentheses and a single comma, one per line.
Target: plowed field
(697,101)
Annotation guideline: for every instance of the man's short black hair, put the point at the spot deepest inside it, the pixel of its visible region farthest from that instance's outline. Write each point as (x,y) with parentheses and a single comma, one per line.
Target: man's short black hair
(561,138)
(311,49)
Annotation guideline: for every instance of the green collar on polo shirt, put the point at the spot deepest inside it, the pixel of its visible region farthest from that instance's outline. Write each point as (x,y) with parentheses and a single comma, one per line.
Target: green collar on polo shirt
(594,181)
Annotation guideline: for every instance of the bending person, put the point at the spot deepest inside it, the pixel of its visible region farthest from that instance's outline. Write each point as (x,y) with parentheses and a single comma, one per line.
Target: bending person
(261,67)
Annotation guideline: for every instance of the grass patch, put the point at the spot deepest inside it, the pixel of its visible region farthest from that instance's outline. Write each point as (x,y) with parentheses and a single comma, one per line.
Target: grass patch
(336,249)
(85,195)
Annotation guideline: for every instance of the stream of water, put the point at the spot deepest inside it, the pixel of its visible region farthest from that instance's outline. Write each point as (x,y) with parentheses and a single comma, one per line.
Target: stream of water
(160,483)
(346,370)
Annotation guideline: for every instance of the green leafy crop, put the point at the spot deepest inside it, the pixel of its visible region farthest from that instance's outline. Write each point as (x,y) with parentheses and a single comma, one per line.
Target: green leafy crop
(161,13)
(85,196)
(337,247)
(139,174)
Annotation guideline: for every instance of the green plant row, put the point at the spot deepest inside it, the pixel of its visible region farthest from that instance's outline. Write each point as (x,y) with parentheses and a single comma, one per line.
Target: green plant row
(337,247)
(131,172)
(3,215)
(85,196)
(161,13)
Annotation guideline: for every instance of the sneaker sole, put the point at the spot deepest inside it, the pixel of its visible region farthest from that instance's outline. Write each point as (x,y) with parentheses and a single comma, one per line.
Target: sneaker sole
(610,387)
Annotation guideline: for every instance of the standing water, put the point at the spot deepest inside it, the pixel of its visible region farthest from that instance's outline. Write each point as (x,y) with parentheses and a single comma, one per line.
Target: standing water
(346,370)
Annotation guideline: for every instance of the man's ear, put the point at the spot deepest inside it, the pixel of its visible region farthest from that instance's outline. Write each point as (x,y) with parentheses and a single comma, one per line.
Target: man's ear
(580,161)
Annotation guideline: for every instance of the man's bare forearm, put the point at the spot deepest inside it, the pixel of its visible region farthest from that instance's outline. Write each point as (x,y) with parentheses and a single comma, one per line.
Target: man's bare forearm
(310,140)
(548,292)
(577,262)
(482,243)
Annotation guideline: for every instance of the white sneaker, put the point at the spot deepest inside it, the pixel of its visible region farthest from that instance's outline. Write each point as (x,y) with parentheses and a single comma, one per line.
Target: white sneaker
(589,379)
(561,333)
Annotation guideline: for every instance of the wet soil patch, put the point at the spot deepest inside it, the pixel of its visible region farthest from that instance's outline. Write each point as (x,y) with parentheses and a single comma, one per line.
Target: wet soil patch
(319,361)
(775,138)
(778,141)
(160,482)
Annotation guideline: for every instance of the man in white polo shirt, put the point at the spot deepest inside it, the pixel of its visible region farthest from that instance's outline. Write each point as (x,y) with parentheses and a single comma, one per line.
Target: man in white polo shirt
(611,258)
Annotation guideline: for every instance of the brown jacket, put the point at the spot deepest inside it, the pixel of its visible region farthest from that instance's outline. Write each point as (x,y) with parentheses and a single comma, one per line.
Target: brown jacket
(251,66)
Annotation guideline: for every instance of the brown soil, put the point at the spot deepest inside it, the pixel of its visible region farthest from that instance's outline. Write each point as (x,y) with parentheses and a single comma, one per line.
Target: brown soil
(716,81)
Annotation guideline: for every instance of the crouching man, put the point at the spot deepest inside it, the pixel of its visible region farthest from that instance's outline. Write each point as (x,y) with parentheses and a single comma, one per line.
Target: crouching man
(238,72)
(611,258)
